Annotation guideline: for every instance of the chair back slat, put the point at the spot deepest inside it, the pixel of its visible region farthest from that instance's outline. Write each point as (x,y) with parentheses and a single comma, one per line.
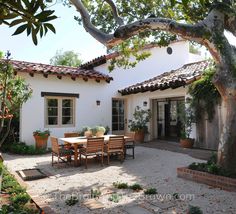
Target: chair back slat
(54,143)
(71,134)
(95,145)
(116,142)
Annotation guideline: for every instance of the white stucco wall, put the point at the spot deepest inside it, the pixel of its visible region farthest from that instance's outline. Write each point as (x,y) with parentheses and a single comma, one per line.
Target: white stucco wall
(87,112)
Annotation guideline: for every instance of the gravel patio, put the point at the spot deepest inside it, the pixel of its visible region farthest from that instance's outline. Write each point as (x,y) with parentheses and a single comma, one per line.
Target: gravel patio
(151,168)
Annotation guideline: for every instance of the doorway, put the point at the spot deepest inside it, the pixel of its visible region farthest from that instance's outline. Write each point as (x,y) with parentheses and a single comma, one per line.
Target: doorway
(168,124)
(118,116)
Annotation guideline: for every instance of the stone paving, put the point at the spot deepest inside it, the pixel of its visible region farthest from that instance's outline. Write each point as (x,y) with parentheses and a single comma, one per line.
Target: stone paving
(174,147)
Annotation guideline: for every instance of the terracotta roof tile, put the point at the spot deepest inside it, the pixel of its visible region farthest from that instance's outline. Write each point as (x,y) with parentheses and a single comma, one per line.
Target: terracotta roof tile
(74,72)
(173,79)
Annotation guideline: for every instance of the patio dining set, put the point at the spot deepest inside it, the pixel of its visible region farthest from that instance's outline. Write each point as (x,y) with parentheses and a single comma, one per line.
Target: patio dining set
(82,148)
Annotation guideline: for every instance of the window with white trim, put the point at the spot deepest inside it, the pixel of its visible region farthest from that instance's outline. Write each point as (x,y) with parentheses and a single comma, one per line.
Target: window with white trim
(59,111)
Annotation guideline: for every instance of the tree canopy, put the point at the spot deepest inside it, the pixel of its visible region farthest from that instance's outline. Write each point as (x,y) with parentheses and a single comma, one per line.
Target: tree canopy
(68,58)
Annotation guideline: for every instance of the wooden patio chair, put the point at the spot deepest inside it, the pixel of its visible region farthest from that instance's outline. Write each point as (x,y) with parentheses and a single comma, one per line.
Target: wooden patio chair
(115,145)
(130,143)
(71,134)
(94,148)
(62,152)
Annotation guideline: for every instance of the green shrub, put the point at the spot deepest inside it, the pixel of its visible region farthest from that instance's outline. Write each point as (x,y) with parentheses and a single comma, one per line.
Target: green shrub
(212,159)
(95,193)
(20,198)
(115,198)
(194,210)
(23,149)
(211,167)
(136,187)
(120,185)
(72,201)
(150,191)
(18,195)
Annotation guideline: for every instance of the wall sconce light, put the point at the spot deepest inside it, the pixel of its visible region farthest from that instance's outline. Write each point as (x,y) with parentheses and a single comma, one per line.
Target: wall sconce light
(145,103)
(98,102)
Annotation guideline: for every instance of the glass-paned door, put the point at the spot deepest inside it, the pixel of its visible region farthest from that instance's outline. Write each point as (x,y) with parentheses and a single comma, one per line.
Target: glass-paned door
(118,116)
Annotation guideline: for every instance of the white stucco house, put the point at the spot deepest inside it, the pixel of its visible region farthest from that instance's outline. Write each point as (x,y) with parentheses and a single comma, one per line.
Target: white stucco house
(65,99)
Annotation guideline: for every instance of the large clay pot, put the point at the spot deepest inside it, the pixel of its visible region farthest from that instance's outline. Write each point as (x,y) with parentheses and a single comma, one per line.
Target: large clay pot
(139,136)
(187,142)
(41,141)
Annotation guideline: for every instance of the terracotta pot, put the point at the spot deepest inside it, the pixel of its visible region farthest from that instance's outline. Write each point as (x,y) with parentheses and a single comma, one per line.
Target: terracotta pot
(100,134)
(187,142)
(139,136)
(41,141)
(88,134)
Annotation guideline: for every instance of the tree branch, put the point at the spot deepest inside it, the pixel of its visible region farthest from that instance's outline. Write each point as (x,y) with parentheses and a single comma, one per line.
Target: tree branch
(192,32)
(89,27)
(118,19)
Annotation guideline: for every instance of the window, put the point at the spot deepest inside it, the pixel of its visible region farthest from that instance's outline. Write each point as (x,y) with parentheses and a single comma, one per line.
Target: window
(59,111)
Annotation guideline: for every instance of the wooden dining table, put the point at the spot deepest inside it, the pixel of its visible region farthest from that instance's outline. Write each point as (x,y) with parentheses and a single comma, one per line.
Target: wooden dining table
(77,142)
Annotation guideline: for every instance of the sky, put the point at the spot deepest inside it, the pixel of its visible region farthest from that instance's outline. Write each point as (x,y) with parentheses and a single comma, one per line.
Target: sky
(69,36)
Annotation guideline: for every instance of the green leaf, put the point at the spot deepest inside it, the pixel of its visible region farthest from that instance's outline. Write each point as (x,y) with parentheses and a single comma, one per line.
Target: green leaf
(50,27)
(34,36)
(49,18)
(44,14)
(41,31)
(16,22)
(172,2)
(28,29)
(185,3)
(27,3)
(20,29)
(45,29)
(202,2)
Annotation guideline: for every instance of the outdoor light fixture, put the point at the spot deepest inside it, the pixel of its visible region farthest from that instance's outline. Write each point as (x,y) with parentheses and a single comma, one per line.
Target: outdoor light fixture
(98,102)
(145,103)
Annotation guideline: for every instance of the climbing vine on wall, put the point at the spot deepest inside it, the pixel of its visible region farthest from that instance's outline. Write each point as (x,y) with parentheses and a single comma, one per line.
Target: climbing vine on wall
(204,94)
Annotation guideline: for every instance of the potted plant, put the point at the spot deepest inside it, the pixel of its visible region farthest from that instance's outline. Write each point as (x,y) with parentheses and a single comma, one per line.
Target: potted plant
(86,131)
(41,138)
(186,117)
(100,130)
(139,123)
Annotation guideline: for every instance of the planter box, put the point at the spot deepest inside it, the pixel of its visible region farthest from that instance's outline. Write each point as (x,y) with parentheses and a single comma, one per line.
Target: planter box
(221,182)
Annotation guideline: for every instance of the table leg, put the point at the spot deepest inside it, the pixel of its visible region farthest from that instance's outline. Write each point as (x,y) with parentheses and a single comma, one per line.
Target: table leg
(76,154)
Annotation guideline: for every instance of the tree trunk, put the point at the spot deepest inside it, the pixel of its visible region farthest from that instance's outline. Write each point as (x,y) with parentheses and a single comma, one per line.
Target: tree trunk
(225,81)
(5,135)
(227,144)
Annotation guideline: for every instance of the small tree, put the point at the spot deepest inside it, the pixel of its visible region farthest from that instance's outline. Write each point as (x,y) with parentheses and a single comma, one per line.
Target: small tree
(68,58)
(13,93)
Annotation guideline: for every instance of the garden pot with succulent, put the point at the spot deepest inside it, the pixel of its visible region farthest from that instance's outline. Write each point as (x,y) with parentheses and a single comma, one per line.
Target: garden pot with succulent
(41,138)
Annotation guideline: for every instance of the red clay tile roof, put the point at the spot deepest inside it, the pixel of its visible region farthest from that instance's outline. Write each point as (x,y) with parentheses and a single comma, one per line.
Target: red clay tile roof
(60,71)
(173,79)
